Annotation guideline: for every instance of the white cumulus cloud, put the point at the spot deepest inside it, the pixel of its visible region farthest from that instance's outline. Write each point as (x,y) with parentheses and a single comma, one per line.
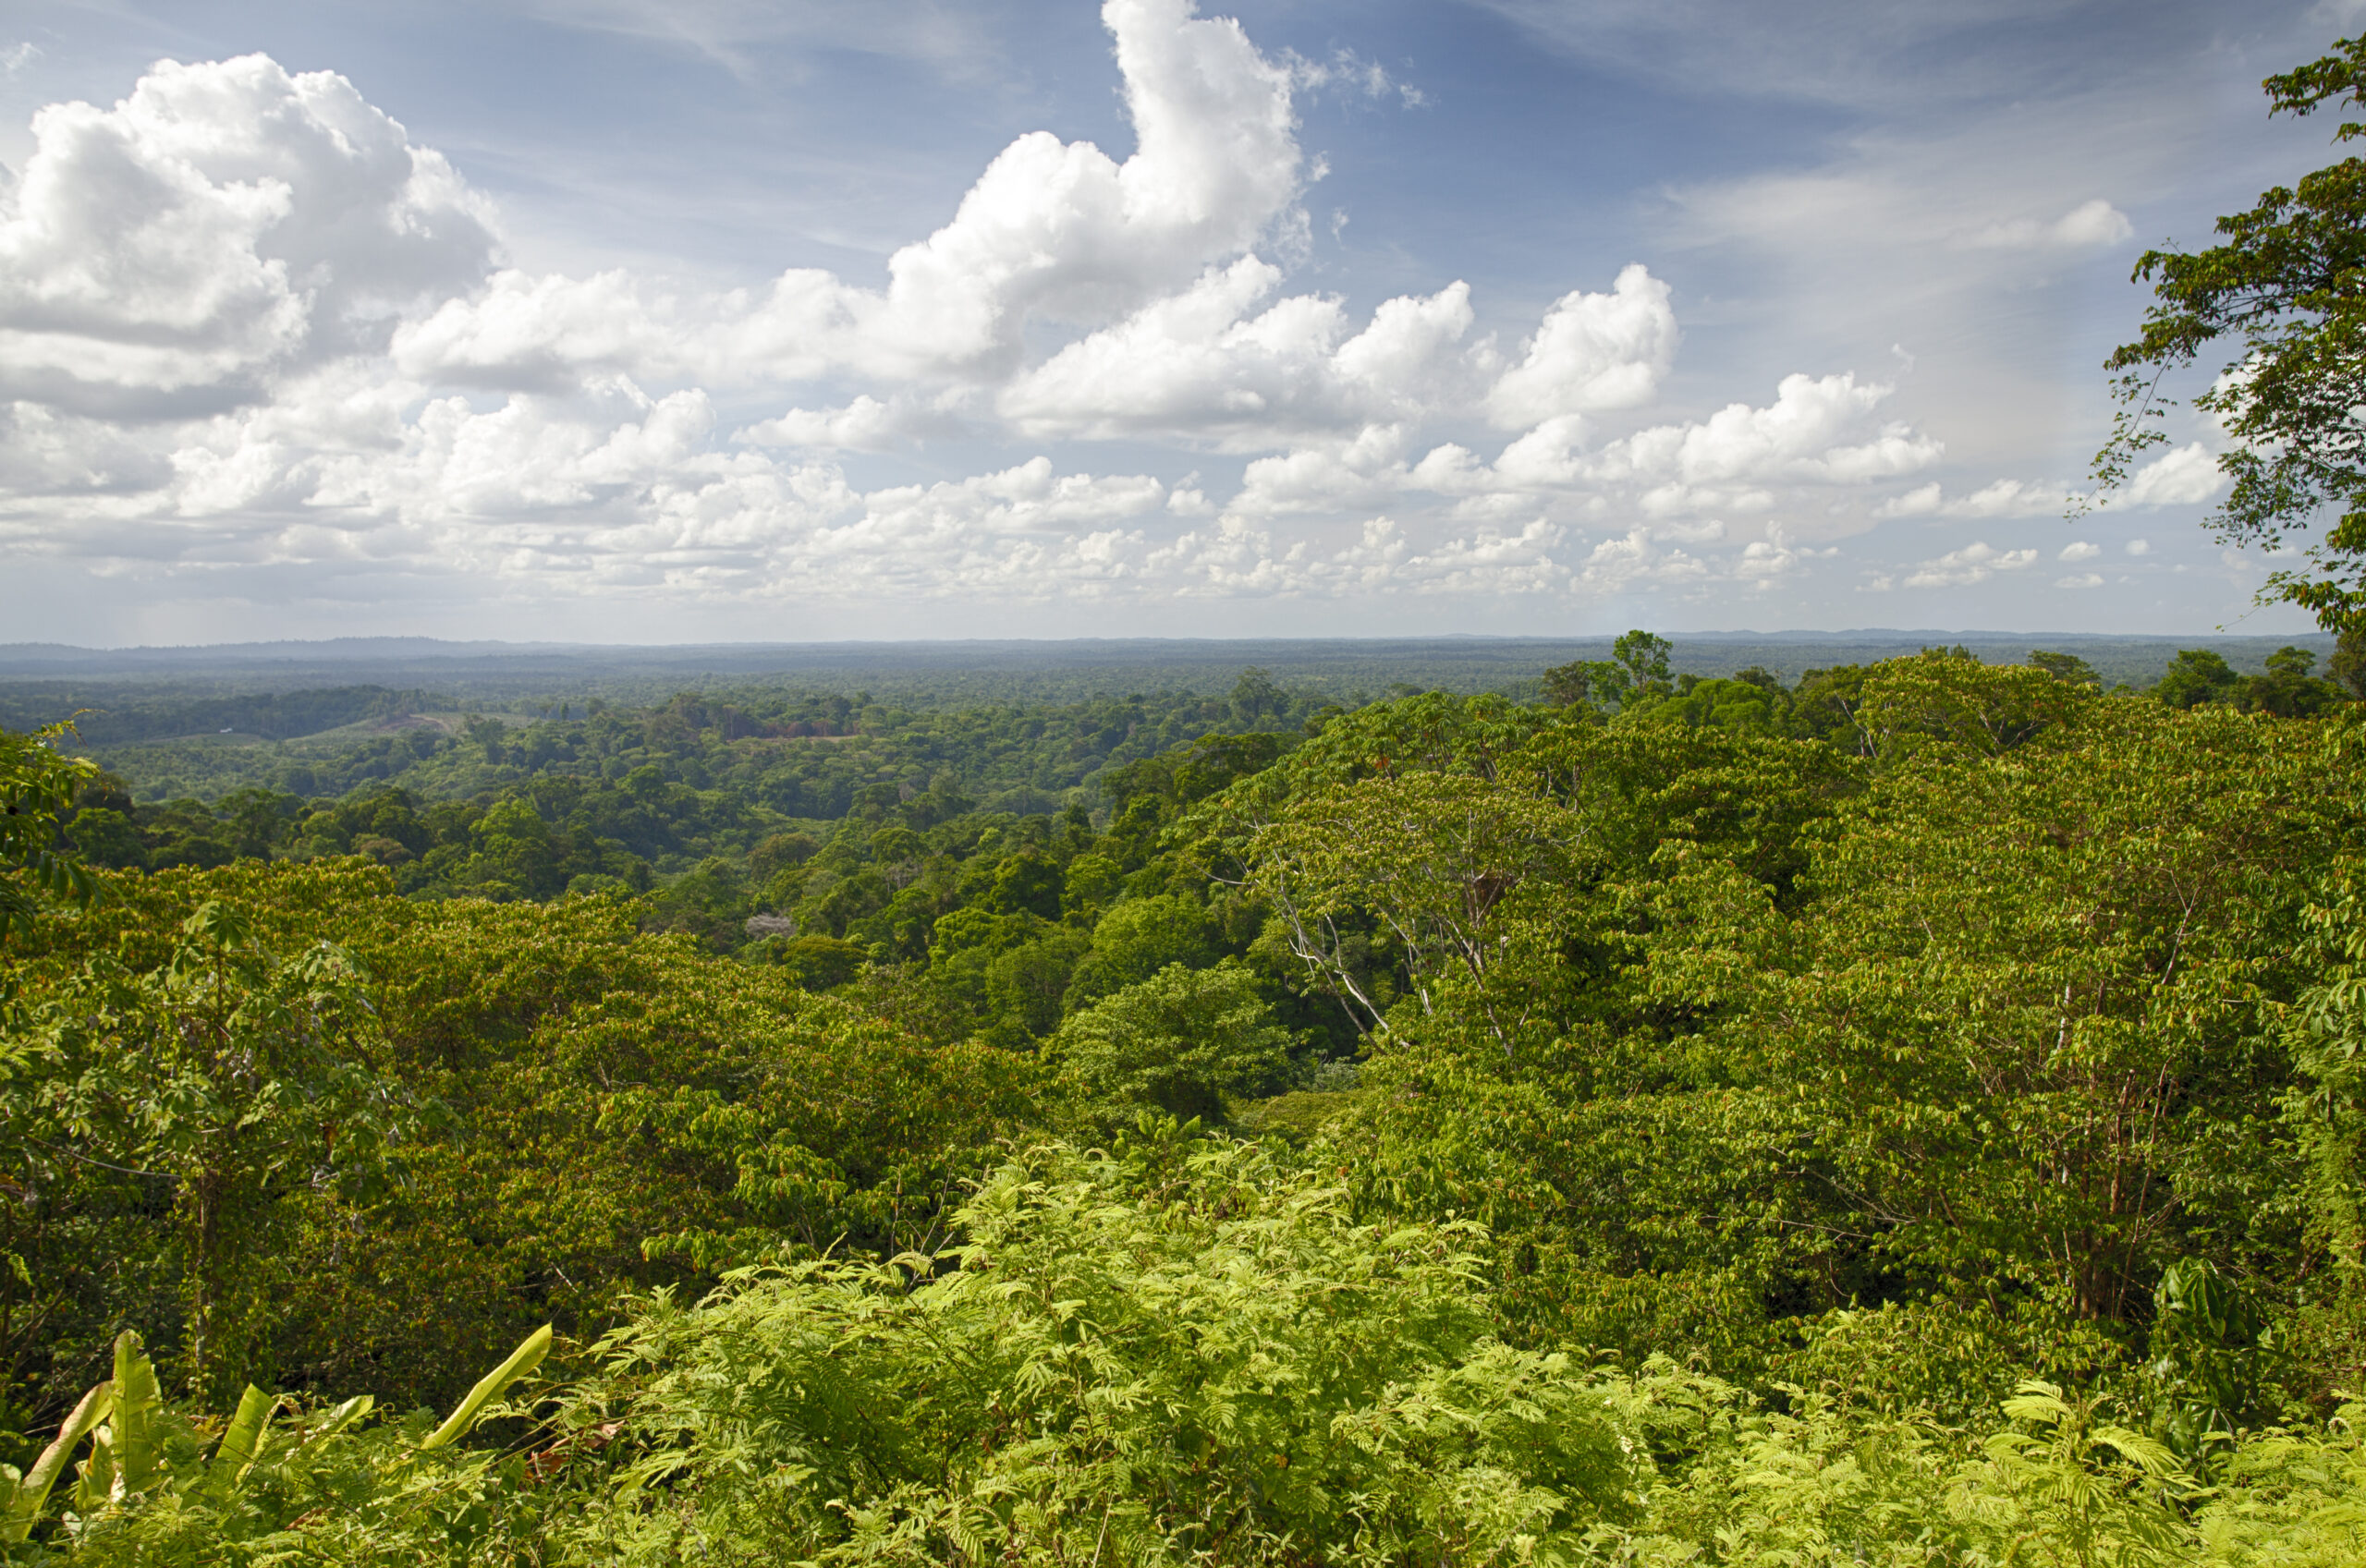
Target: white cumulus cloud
(2002,498)
(1591,352)
(2179,477)
(1815,430)
(1975,563)
(864,424)
(1052,230)
(1199,361)
(225,222)
(244,320)
(2086,226)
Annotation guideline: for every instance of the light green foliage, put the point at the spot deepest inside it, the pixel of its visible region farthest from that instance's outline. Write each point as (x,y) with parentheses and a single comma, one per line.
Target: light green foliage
(1093,882)
(2057,1486)
(1945,1359)
(521,1363)
(1183,1351)
(324,1486)
(37,787)
(2290,1500)
(1298,1116)
(1183,1041)
(1450,865)
(1135,939)
(30,1490)
(1947,698)
(2102,1491)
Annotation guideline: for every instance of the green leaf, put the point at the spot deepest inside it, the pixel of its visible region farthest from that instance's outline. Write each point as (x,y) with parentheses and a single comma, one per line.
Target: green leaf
(522,1360)
(240,1444)
(24,1505)
(138,1405)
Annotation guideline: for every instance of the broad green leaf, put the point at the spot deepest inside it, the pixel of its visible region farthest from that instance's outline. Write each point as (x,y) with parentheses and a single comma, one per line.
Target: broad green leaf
(138,1406)
(522,1360)
(32,1491)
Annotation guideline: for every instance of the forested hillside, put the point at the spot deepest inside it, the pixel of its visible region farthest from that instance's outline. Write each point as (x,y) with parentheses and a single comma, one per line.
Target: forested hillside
(1910,1113)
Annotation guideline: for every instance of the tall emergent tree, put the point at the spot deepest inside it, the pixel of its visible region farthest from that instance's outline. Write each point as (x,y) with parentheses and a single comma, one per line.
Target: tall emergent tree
(2287,284)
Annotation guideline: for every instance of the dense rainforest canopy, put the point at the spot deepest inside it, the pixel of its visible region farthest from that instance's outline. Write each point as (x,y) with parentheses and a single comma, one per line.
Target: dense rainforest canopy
(1910,1114)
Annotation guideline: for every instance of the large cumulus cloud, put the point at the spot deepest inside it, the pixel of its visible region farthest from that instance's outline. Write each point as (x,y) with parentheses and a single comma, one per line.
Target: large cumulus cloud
(1053,230)
(221,225)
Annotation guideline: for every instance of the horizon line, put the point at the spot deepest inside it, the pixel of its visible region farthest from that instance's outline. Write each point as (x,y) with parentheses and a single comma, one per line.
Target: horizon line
(496,646)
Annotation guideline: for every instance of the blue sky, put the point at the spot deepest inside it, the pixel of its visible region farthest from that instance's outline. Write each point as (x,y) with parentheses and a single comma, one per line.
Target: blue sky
(644,321)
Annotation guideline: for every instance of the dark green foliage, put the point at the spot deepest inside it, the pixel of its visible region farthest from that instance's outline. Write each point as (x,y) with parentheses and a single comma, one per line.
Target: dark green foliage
(2209,1359)
(110,719)
(1635,674)
(1183,1041)
(2287,688)
(2065,668)
(2346,668)
(800,756)
(2195,676)
(233,1077)
(1749,707)
(1138,938)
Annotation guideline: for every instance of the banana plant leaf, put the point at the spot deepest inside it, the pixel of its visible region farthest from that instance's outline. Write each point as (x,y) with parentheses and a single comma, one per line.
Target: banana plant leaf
(522,1360)
(241,1441)
(138,1403)
(25,1503)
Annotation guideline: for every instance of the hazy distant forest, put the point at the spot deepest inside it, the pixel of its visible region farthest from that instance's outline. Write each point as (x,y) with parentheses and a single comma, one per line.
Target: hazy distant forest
(1908,1111)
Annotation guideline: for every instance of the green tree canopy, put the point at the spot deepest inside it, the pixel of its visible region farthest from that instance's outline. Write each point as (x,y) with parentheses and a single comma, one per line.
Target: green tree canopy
(1635,674)
(2288,285)
(2196,675)
(1178,1041)
(36,785)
